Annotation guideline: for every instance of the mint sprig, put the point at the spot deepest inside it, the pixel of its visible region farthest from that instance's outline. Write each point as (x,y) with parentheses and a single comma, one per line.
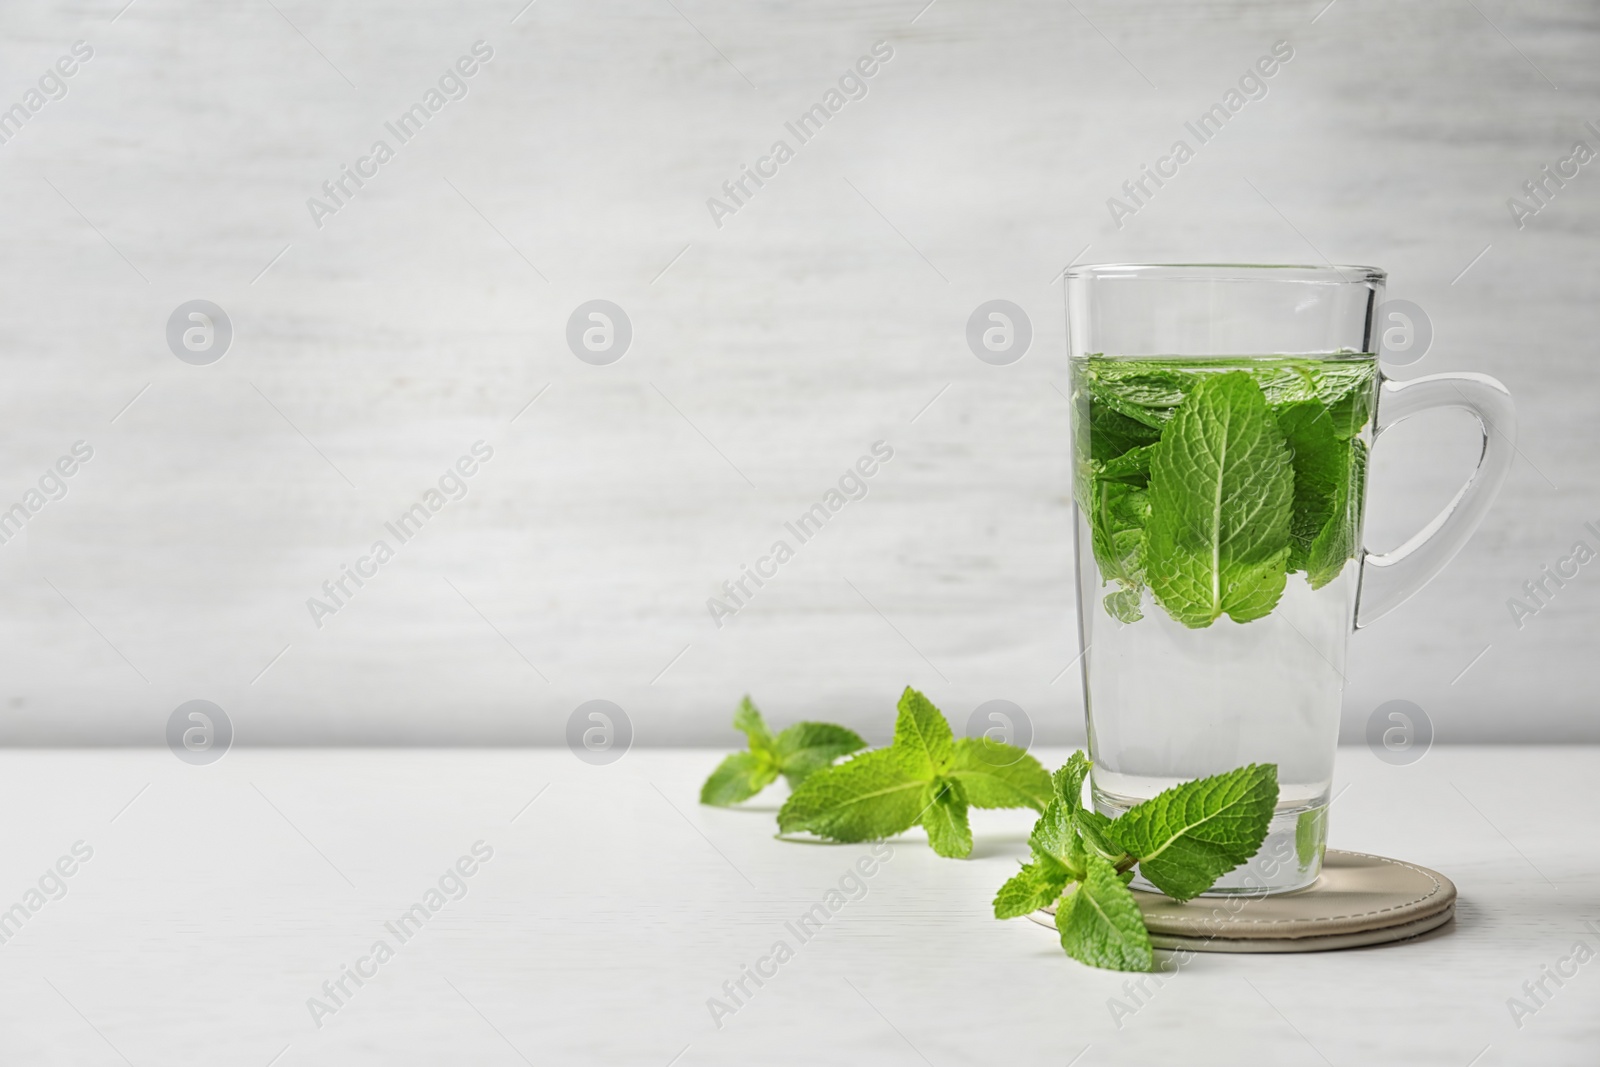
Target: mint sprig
(925,777)
(1221,496)
(796,753)
(1182,841)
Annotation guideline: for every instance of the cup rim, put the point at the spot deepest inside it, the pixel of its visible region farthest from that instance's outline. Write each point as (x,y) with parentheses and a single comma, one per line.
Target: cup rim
(1327,274)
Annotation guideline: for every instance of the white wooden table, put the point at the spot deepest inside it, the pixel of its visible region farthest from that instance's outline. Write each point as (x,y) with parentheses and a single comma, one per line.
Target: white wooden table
(219,899)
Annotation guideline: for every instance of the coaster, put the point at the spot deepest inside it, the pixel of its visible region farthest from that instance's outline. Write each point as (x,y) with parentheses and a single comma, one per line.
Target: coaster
(1357,900)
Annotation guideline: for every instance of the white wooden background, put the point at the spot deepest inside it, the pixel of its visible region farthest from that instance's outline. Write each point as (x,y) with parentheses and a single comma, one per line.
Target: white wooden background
(767,355)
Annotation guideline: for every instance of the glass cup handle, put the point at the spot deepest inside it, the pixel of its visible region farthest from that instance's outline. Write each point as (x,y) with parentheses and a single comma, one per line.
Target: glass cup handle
(1389,579)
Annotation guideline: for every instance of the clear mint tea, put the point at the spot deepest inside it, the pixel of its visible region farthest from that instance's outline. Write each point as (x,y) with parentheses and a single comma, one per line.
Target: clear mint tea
(1219,510)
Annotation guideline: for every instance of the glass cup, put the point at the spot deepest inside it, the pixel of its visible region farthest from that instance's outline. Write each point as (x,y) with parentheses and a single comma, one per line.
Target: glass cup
(1223,416)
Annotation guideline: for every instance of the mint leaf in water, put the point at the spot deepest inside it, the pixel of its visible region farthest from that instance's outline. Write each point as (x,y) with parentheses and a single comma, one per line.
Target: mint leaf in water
(1188,836)
(1100,923)
(1221,495)
(1125,410)
(1183,840)
(1116,529)
(1310,835)
(1112,433)
(1341,535)
(1329,467)
(925,776)
(795,753)
(1126,604)
(1321,471)
(1117,525)
(1285,381)
(1132,466)
(1344,388)
(1144,392)
(1101,430)
(1348,390)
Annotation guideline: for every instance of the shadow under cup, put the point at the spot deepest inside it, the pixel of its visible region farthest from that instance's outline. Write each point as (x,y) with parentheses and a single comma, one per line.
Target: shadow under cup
(1223,419)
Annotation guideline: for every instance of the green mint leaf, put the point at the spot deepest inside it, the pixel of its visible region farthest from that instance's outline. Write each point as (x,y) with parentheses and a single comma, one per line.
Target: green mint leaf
(1095,830)
(1076,828)
(1077,861)
(1053,835)
(1340,536)
(1321,472)
(996,775)
(743,774)
(1035,886)
(1343,387)
(873,795)
(1067,831)
(748,721)
(1310,835)
(1187,837)
(922,736)
(1116,527)
(945,819)
(1057,842)
(1112,434)
(739,777)
(797,752)
(1221,494)
(1102,432)
(1143,392)
(1132,467)
(807,747)
(1285,382)
(1348,390)
(925,776)
(1068,779)
(1116,531)
(1126,604)
(1100,923)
